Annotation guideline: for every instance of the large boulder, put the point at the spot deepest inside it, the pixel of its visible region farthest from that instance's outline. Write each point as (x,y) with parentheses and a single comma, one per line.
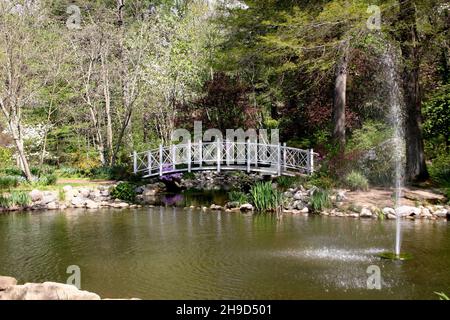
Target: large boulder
(365,213)
(404,211)
(36,195)
(90,204)
(246,207)
(46,291)
(6,282)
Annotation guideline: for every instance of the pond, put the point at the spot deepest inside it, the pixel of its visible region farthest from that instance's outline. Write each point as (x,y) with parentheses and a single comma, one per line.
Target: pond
(174,253)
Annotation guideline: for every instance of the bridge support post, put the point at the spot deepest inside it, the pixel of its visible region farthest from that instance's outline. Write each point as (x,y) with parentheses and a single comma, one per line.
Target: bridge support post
(219,154)
(174,157)
(149,162)
(135,167)
(189,155)
(227,152)
(279,160)
(200,154)
(284,156)
(160,160)
(248,156)
(310,161)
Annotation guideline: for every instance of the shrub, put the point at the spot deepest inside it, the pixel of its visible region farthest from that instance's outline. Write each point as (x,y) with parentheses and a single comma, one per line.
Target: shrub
(8,182)
(16,198)
(188,176)
(440,170)
(124,191)
(321,180)
(5,156)
(5,202)
(238,196)
(20,198)
(11,171)
(356,181)
(320,199)
(110,173)
(264,197)
(48,180)
(285,182)
(68,172)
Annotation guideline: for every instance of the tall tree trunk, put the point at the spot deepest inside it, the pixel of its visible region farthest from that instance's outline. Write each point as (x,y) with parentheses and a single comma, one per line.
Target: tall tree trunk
(107,96)
(339,100)
(416,169)
(18,141)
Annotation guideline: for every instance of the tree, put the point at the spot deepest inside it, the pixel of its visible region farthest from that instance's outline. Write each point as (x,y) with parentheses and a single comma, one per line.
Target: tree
(19,77)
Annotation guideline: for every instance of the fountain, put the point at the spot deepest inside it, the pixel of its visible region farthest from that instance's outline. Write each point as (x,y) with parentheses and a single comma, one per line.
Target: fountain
(396,119)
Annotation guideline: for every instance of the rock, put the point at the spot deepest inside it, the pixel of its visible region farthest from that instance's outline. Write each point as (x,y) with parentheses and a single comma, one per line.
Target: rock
(78,202)
(215,207)
(246,207)
(425,213)
(299,205)
(365,213)
(52,206)
(355,215)
(85,192)
(67,188)
(92,204)
(340,196)
(48,198)
(46,291)
(120,205)
(6,282)
(391,216)
(288,194)
(299,195)
(404,211)
(232,205)
(36,195)
(149,192)
(388,210)
(304,210)
(441,213)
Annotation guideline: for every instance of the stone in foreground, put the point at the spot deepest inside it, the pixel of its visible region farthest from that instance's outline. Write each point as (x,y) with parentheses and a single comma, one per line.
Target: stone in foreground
(46,291)
(6,282)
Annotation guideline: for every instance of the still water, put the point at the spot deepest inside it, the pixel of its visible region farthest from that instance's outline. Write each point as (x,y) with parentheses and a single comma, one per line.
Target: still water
(171,253)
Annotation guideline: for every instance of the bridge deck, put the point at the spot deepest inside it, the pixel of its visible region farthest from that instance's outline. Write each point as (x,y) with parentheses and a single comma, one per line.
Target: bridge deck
(224,155)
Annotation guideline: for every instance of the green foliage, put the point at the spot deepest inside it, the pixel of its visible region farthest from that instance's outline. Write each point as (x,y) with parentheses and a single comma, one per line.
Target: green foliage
(320,199)
(11,171)
(440,170)
(8,182)
(5,156)
(124,191)
(4,201)
(48,180)
(436,113)
(20,198)
(15,198)
(356,181)
(286,182)
(118,172)
(69,172)
(321,179)
(188,176)
(442,296)
(238,196)
(265,197)
(61,195)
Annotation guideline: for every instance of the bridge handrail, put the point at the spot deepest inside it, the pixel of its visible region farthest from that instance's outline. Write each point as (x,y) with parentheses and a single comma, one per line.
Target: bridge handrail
(254,156)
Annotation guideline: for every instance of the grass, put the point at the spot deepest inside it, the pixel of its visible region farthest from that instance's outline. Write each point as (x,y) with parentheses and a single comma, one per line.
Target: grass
(9,182)
(238,196)
(285,182)
(356,181)
(15,198)
(442,296)
(320,199)
(265,197)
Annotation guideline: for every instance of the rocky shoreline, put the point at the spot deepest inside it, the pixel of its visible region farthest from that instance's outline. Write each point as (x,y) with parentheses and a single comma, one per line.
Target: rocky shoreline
(297,201)
(10,290)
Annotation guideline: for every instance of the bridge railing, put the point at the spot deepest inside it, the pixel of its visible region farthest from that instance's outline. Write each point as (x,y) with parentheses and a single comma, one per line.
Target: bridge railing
(275,159)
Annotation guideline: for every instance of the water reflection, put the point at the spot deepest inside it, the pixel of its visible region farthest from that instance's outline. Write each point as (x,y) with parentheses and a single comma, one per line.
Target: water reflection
(171,253)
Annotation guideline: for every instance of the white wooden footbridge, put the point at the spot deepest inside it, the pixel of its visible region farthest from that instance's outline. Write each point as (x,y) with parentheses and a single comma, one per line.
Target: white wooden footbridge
(224,155)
